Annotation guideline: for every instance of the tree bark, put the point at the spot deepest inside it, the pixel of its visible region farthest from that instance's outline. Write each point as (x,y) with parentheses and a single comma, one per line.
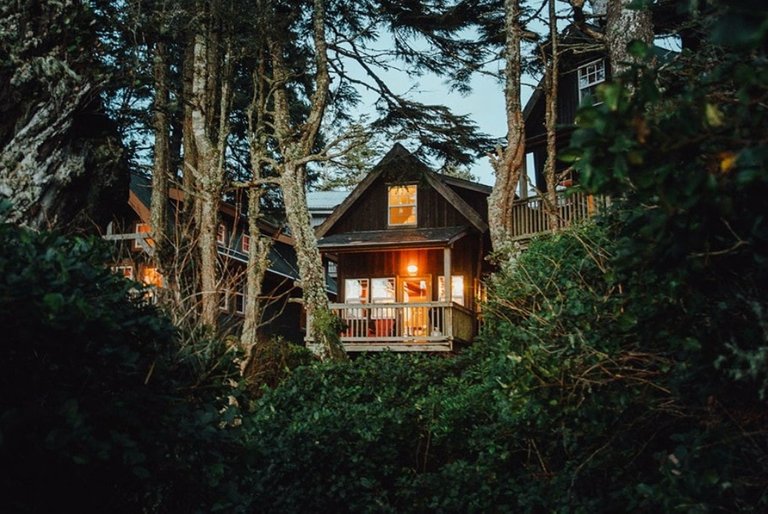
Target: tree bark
(161,164)
(296,146)
(624,25)
(551,85)
(508,162)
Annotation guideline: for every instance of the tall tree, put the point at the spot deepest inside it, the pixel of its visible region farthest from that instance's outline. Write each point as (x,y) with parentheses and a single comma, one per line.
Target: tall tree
(61,161)
(625,23)
(508,161)
(551,83)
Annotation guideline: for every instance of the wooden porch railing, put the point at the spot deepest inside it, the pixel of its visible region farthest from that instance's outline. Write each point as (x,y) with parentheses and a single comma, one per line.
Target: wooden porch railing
(530,216)
(395,325)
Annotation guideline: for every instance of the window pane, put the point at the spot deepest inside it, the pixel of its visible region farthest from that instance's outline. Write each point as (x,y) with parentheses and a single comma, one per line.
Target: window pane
(402,205)
(457,289)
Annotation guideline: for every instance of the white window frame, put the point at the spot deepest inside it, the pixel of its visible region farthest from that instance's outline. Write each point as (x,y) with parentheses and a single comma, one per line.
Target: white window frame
(379,313)
(224,302)
(245,243)
(415,206)
(584,71)
(137,242)
(121,270)
(240,298)
(455,289)
(221,234)
(333,269)
(357,313)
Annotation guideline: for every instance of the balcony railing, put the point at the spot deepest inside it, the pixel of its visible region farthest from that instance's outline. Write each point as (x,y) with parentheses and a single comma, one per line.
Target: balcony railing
(429,326)
(530,216)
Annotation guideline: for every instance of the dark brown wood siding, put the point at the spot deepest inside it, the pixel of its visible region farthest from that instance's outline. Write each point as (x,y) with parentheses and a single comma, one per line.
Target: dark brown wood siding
(370,211)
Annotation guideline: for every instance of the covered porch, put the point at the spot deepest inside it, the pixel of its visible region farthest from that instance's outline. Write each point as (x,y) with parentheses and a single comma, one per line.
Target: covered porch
(427,326)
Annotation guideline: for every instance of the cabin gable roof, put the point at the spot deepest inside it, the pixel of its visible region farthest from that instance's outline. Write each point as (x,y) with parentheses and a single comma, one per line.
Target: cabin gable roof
(400,166)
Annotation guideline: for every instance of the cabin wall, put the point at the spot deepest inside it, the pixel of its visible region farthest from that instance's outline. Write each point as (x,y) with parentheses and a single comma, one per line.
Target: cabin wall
(465,260)
(369,212)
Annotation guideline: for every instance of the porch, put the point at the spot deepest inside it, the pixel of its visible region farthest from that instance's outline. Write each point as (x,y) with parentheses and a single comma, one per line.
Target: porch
(530,216)
(403,327)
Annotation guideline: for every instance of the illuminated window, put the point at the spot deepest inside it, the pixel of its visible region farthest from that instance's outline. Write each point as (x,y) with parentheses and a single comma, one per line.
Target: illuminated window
(590,75)
(382,291)
(126,271)
(221,234)
(402,205)
(356,291)
(151,277)
(457,289)
(144,230)
(246,243)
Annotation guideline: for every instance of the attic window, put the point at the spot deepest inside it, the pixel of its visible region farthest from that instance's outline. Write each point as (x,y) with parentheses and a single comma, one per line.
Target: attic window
(402,205)
(590,75)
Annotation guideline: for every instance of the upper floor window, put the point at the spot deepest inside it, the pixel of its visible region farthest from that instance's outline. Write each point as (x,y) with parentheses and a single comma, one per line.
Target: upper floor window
(402,205)
(246,243)
(590,75)
(143,230)
(221,234)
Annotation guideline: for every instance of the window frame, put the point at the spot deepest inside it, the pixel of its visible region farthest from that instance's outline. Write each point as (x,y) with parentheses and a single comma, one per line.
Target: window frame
(441,290)
(379,313)
(414,205)
(221,234)
(245,243)
(239,295)
(586,90)
(142,228)
(121,269)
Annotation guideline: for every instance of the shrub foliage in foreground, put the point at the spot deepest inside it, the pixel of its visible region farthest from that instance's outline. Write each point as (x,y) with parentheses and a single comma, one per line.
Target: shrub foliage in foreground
(571,401)
(101,409)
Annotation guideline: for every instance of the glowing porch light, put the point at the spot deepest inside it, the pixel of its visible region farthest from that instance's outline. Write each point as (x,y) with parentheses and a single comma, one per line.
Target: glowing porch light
(412,269)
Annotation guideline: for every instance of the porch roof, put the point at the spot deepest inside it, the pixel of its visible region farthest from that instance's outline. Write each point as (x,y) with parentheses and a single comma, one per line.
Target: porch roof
(393,238)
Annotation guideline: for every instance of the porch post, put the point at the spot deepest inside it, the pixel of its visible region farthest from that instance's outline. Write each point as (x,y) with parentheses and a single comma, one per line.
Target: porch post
(448,293)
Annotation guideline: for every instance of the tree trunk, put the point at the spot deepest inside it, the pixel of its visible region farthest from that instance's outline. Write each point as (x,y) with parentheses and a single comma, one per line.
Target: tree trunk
(508,162)
(624,25)
(551,85)
(161,164)
(258,262)
(310,264)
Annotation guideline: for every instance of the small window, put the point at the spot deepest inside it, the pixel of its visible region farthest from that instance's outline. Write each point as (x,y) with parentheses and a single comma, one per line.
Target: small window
(126,271)
(333,271)
(151,276)
(402,205)
(221,234)
(590,75)
(240,298)
(143,230)
(246,243)
(224,300)
(356,291)
(382,291)
(457,289)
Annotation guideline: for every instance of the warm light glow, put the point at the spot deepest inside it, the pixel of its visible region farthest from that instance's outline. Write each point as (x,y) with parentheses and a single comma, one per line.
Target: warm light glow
(412,269)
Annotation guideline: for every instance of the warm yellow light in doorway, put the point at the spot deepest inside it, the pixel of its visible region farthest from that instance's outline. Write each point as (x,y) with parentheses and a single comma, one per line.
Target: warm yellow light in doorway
(412,269)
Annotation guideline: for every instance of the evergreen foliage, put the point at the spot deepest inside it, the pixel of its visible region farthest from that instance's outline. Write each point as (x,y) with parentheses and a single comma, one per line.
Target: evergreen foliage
(102,411)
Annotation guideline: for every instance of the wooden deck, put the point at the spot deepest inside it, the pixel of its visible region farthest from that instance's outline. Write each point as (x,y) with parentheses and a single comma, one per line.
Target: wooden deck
(403,327)
(529,215)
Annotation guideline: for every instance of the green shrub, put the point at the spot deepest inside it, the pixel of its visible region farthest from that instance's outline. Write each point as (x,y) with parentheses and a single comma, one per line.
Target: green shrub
(101,409)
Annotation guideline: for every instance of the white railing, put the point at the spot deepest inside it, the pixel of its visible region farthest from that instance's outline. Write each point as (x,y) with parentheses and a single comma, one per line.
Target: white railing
(530,215)
(429,322)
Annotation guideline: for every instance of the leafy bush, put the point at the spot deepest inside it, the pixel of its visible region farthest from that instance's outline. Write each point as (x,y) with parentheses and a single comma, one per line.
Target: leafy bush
(101,409)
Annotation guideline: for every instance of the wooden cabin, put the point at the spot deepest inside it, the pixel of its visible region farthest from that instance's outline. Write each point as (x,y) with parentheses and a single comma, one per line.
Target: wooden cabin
(408,249)
(134,258)
(583,67)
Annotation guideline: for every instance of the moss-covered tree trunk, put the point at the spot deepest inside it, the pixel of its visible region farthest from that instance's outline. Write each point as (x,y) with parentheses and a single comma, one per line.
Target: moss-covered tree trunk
(624,25)
(508,161)
(161,164)
(551,82)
